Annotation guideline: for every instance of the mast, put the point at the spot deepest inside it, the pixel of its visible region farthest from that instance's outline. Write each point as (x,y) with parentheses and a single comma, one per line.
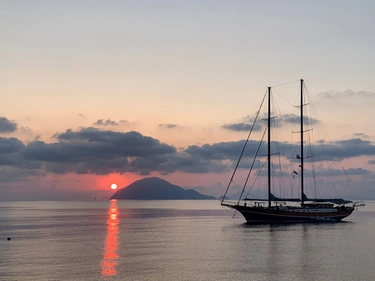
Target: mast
(301,133)
(269,146)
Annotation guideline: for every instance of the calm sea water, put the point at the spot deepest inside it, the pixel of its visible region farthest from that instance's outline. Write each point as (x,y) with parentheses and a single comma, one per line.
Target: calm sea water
(176,240)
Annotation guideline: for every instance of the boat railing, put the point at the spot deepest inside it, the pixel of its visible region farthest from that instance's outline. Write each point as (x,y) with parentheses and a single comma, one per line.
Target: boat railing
(228,203)
(359,205)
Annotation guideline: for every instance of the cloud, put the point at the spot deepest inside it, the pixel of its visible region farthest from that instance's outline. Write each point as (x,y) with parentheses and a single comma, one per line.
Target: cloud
(14,166)
(94,151)
(220,151)
(296,119)
(10,145)
(350,148)
(348,94)
(7,126)
(108,122)
(247,123)
(193,163)
(241,127)
(325,151)
(90,150)
(361,135)
(244,126)
(357,171)
(168,126)
(123,122)
(17,174)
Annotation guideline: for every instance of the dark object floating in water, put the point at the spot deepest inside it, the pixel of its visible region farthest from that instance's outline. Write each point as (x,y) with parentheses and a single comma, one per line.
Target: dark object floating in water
(8,238)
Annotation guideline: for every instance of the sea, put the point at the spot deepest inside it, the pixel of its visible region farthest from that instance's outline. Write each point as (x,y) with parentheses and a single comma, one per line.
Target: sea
(176,240)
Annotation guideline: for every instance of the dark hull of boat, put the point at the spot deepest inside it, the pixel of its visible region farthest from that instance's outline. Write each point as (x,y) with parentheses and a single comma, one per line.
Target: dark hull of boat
(274,215)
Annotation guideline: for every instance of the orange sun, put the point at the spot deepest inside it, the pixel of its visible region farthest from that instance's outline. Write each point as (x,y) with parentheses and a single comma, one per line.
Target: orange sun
(113,186)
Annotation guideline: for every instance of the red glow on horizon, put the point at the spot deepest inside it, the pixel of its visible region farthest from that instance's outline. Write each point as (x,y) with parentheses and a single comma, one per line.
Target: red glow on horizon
(121,180)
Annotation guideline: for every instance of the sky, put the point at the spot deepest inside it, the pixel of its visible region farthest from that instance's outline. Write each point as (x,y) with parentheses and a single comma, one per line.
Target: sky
(96,92)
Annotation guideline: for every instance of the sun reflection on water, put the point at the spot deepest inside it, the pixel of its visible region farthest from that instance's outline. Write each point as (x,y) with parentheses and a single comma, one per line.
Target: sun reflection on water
(110,256)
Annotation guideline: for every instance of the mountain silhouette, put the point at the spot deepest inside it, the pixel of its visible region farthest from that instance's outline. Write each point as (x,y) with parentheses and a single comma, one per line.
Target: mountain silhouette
(157,189)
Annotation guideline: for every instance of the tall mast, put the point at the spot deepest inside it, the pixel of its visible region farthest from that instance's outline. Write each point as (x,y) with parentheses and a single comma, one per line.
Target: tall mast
(269,146)
(301,133)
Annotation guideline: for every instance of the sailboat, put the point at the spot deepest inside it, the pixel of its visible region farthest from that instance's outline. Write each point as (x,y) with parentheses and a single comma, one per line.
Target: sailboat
(277,209)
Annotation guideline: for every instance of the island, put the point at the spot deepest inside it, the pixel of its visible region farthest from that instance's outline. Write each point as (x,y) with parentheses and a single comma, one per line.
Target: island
(155,188)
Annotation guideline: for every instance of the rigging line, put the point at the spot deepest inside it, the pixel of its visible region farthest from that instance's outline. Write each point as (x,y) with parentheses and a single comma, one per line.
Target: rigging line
(282,97)
(285,83)
(328,155)
(234,214)
(346,174)
(257,177)
(243,149)
(252,165)
(238,187)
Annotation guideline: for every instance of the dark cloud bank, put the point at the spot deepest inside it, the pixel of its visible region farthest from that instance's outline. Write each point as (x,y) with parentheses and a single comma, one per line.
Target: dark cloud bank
(94,151)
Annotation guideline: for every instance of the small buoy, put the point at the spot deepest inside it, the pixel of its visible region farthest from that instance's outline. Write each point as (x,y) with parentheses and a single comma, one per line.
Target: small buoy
(8,238)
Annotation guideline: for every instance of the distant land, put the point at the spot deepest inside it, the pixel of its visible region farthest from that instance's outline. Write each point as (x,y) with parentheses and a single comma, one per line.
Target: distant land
(157,189)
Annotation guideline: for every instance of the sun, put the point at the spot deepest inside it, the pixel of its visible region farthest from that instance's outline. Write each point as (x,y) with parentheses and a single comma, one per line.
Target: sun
(113,186)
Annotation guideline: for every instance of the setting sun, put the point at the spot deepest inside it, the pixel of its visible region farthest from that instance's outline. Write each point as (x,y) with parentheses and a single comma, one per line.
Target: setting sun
(113,186)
